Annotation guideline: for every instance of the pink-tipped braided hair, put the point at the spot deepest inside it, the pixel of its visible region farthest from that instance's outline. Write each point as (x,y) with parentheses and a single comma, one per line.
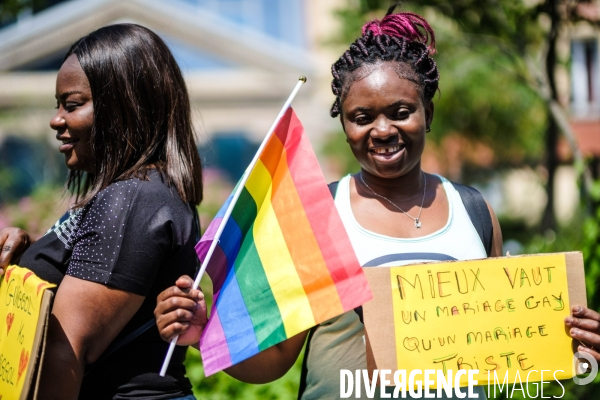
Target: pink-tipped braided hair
(405,38)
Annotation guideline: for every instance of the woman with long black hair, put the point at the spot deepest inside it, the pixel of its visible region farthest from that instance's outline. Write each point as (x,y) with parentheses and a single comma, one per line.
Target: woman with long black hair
(124,122)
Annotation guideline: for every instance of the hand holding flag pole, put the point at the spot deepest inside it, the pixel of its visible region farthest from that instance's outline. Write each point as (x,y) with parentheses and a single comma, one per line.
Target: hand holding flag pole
(236,195)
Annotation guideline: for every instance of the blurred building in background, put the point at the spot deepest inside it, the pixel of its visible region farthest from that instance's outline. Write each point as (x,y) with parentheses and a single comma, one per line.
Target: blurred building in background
(585,86)
(240,58)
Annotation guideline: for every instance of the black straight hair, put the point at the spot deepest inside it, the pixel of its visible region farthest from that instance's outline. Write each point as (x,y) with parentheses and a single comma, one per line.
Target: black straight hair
(142,115)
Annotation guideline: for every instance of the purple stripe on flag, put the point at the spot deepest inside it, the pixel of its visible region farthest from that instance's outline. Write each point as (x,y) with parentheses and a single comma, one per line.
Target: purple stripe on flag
(225,252)
(216,355)
(216,268)
(209,234)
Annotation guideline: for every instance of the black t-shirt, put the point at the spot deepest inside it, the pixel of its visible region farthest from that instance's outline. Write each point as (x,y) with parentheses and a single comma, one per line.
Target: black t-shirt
(137,236)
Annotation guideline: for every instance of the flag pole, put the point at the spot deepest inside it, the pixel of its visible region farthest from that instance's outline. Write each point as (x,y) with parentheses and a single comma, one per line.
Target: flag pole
(229,210)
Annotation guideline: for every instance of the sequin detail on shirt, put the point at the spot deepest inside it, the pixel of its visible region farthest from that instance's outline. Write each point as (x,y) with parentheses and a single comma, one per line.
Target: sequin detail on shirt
(66,227)
(100,234)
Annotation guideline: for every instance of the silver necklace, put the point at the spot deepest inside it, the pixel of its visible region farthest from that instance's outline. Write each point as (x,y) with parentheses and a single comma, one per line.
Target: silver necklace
(418,219)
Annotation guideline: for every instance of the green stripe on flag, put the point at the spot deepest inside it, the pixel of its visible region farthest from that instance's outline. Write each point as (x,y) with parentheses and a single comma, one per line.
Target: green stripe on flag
(253,283)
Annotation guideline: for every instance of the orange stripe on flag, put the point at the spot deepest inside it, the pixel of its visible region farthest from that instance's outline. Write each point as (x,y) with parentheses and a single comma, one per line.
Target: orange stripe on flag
(302,245)
(271,155)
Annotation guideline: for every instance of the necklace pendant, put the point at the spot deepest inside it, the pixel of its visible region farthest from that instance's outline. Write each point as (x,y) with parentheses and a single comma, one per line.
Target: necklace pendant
(417,223)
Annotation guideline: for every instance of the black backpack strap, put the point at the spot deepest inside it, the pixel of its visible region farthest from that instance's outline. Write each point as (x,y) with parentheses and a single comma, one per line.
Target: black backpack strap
(478,213)
(333,188)
(196,222)
(116,346)
(127,339)
(197,235)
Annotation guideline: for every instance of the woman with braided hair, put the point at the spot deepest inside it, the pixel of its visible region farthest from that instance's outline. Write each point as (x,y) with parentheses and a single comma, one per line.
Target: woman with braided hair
(394,212)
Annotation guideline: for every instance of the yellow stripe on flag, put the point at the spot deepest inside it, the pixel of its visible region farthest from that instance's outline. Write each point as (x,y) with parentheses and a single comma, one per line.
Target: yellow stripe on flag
(277,262)
(259,185)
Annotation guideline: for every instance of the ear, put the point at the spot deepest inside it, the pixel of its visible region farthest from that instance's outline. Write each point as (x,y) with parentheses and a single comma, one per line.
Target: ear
(429,114)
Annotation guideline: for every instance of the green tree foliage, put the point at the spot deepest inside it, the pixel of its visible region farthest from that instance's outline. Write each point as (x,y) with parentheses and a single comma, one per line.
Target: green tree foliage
(10,9)
(481,100)
(223,387)
(591,248)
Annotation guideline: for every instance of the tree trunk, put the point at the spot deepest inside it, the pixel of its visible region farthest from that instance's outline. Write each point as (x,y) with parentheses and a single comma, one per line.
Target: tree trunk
(551,164)
(551,137)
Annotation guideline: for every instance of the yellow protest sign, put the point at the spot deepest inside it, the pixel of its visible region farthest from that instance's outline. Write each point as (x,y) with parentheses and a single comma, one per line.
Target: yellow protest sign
(497,315)
(21,295)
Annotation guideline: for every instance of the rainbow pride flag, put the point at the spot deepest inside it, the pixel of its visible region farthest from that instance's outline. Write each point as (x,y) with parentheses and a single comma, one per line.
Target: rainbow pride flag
(284,262)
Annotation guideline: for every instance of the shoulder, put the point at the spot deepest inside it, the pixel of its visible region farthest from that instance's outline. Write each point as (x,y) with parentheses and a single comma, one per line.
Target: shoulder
(155,193)
(148,194)
(467,193)
(138,206)
(482,216)
(342,184)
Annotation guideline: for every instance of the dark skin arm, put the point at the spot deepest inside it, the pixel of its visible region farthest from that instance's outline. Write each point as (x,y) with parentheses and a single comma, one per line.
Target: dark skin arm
(181,311)
(86,317)
(270,364)
(13,243)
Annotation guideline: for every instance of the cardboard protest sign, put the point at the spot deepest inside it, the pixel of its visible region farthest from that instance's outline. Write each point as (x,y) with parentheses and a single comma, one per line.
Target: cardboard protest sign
(24,310)
(499,314)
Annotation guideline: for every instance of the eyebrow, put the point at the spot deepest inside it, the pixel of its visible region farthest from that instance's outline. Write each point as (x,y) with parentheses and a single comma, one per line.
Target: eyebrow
(67,94)
(398,103)
(393,105)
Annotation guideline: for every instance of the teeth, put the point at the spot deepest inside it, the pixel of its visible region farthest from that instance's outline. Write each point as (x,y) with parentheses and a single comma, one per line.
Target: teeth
(387,150)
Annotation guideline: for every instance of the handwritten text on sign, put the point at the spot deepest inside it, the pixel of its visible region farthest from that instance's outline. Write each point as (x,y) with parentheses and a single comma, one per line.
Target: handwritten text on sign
(20,297)
(491,315)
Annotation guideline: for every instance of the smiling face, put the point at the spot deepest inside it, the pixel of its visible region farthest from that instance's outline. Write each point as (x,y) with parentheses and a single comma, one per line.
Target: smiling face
(75,116)
(385,121)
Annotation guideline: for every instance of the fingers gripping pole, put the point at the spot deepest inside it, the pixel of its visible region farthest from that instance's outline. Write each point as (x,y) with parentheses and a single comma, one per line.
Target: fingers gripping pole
(236,195)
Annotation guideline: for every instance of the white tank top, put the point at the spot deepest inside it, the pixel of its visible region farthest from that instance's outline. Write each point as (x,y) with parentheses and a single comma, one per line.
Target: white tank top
(339,343)
(457,240)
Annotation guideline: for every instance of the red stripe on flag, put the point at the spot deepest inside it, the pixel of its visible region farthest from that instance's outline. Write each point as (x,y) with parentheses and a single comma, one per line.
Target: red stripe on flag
(299,237)
(326,224)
